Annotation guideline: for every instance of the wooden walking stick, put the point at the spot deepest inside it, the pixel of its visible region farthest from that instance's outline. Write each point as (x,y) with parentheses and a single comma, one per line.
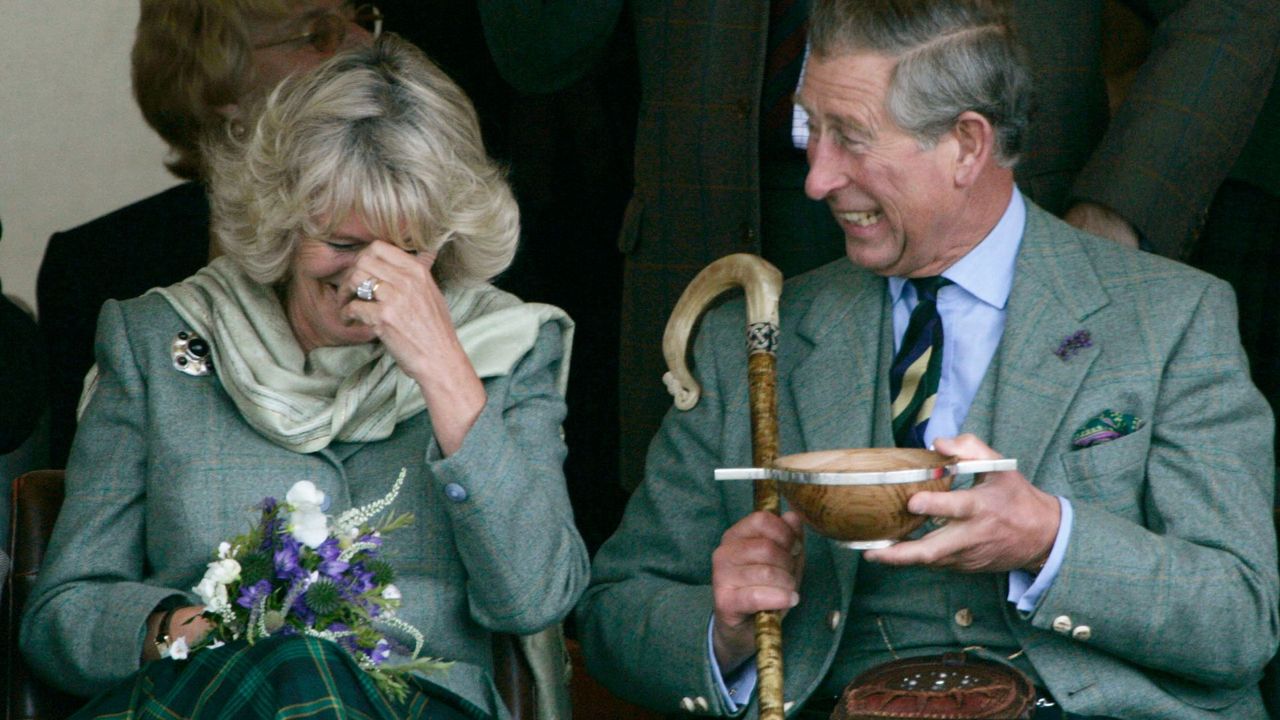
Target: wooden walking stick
(763,284)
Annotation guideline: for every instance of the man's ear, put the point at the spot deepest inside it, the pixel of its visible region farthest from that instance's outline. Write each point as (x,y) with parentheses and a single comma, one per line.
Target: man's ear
(975,142)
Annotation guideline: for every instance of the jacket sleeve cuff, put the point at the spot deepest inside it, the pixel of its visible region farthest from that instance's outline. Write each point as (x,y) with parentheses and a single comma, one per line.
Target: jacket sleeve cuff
(1025,590)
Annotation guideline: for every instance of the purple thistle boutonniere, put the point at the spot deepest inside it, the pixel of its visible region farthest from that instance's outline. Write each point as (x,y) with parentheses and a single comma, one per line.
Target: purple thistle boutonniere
(1073,344)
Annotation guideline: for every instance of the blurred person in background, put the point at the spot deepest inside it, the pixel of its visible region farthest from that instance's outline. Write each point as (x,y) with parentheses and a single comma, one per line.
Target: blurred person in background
(197,65)
(22,378)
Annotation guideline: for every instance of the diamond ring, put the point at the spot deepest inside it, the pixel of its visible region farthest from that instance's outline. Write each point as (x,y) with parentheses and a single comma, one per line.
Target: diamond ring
(365,290)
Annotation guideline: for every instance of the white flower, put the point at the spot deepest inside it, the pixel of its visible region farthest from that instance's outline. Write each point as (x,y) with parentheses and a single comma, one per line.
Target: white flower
(212,593)
(223,571)
(224,550)
(305,493)
(310,528)
(391,592)
(213,586)
(177,649)
(307,521)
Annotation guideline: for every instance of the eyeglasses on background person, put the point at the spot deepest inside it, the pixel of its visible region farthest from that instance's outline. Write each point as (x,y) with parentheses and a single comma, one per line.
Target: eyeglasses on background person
(326,32)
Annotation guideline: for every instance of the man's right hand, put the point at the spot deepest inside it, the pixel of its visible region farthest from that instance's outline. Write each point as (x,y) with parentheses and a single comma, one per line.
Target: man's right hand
(758,566)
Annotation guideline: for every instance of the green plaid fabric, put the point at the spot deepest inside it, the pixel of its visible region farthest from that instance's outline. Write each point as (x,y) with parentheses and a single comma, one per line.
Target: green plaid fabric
(281,678)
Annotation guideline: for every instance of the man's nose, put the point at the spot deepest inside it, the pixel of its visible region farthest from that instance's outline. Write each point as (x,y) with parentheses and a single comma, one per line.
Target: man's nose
(826,173)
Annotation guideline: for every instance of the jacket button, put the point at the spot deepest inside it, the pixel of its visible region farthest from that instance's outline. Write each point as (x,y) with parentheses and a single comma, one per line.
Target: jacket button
(833,620)
(1082,633)
(1062,624)
(748,233)
(964,617)
(686,704)
(455,492)
(701,703)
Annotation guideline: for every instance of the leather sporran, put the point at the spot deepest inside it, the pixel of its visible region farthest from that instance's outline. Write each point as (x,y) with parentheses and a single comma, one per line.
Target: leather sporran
(953,686)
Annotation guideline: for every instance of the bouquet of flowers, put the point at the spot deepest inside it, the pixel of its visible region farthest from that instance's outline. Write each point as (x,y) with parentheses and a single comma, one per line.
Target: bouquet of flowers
(299,571)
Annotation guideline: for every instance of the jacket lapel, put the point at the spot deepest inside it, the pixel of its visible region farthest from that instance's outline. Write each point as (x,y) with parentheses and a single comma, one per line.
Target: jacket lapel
(838,364)
(1029,385)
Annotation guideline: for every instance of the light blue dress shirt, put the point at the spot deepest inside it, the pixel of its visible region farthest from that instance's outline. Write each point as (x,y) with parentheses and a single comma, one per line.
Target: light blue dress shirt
(972,311)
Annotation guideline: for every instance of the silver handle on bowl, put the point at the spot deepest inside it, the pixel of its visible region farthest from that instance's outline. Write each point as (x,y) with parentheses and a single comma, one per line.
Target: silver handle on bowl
(742,474)
(973,467)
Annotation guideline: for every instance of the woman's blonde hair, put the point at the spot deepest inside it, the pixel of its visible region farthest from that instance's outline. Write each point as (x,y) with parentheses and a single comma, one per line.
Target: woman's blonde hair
(191,57)
(380,132)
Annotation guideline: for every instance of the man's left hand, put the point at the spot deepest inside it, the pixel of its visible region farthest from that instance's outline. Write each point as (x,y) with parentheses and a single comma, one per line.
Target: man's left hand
(1103,222)
(1002,523)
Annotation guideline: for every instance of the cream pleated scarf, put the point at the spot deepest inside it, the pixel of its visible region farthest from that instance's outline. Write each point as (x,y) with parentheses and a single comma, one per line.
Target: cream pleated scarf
(354,393)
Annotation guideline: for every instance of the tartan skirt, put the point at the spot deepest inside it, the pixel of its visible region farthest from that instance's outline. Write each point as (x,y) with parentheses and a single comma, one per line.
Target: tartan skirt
(278,678)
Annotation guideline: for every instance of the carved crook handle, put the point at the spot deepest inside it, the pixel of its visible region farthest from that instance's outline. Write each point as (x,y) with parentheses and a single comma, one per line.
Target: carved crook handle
(763,285)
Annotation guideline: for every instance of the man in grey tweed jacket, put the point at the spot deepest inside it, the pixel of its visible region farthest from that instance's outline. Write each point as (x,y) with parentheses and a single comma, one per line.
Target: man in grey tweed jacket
(1134,578)
(699,173)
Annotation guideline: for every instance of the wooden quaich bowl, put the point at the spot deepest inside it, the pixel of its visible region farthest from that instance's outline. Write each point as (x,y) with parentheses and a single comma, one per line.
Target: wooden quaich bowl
(859,496)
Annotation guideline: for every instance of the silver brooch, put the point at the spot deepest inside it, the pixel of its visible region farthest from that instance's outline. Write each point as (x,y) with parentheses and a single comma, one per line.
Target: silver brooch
(191,354)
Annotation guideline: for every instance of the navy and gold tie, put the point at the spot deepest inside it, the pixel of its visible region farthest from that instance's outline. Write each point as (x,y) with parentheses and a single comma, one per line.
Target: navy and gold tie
(916,369)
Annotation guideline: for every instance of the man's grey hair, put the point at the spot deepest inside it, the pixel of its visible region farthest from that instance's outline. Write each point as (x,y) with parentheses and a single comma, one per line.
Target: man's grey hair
(379,132)
(953,56)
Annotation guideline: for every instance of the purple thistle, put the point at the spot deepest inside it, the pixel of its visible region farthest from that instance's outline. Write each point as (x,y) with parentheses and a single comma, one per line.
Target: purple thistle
(358,581)
(288,559)
(300,610)
(1073,344)
(380,652)
(270,526)
(332,566)
(251,594)
(329,549)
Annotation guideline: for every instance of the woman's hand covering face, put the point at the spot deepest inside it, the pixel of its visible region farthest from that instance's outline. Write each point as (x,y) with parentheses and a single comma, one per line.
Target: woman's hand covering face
(411,318)
(408,314)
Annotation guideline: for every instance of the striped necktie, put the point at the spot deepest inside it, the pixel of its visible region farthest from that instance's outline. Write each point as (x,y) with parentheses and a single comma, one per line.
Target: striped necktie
(916,369)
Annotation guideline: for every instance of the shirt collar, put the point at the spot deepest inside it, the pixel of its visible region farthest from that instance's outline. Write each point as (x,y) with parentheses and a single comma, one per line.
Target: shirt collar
(986,271)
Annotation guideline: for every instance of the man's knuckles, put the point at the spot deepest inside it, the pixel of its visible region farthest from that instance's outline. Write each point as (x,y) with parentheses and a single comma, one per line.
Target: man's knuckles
(754,550)
(760,524)
(766,576)
(735,603)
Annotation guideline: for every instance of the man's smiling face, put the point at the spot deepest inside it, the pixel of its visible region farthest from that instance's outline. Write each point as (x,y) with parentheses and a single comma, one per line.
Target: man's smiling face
(894,199)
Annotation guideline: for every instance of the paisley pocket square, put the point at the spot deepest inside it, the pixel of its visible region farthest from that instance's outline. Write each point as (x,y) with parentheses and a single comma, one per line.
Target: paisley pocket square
(1105,427)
